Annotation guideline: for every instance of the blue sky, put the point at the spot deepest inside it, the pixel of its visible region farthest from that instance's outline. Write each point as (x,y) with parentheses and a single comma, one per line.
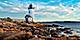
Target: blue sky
(45,10)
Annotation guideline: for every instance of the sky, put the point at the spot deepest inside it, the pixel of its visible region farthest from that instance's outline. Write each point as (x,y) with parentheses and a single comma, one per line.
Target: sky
(45,10)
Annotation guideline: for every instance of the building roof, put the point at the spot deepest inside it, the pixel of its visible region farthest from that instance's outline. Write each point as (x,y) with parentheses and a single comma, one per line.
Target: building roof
(27,16)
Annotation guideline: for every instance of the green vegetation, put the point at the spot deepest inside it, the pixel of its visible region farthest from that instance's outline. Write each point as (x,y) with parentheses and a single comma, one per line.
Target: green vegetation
(7,19)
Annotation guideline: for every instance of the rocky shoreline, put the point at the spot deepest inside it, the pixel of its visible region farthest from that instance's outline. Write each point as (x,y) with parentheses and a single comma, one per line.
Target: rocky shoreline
(35,31)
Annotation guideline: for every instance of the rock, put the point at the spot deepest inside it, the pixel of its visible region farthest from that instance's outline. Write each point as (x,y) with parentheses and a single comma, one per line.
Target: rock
(36,39)
(28,34)
(1,30)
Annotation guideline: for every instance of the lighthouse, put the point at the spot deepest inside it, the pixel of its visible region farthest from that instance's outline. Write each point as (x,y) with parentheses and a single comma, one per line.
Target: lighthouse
(29,18)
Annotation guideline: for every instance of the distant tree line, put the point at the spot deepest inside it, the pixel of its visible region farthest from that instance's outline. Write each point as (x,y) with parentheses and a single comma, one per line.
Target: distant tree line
(6,19)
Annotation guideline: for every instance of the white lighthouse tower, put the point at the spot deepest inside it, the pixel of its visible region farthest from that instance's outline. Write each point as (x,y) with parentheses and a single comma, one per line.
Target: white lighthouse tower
(28,17)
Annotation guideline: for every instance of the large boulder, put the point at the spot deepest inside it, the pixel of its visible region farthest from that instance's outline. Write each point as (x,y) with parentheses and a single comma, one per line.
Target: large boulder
(28,34)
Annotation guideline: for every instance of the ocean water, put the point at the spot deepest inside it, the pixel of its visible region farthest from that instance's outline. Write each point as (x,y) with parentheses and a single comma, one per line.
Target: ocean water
(74,26)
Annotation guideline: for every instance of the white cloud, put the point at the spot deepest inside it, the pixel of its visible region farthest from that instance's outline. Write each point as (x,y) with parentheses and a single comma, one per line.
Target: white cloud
(1,8)
(52,1)
(69,12)
(5,4)
(69,16)
(48,11)
(17,9)
(5,1)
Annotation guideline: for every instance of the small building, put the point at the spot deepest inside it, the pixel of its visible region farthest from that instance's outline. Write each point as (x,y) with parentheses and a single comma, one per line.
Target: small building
(28,19)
